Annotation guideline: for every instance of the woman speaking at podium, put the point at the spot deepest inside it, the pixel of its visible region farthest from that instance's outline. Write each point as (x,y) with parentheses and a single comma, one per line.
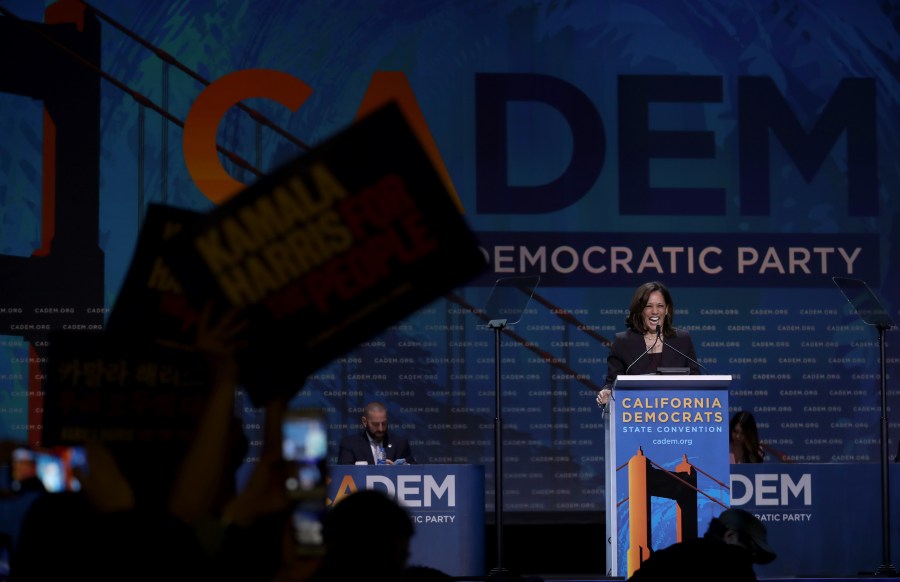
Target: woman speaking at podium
(650,342)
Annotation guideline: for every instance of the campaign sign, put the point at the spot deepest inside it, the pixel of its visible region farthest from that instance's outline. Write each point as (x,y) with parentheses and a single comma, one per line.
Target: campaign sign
(102,386)
(151,301)
(328,250)
(667,463)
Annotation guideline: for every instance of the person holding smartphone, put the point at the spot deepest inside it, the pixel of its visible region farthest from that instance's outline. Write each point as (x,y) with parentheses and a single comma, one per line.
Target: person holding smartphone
(373,445)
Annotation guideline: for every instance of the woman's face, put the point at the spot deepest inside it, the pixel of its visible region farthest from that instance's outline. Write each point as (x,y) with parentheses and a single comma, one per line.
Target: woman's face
(654,311)
(737,433)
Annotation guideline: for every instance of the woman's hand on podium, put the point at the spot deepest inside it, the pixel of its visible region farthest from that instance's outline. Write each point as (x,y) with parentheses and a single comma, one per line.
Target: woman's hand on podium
(603,397)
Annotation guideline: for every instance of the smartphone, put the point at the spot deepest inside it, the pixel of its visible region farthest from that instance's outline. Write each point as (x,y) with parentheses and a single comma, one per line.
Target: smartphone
(305,452)
(53,467)
(307,517)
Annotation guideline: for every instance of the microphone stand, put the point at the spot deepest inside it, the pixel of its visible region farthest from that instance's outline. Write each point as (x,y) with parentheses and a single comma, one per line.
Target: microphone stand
(886,568)
(671,347)
(647,351)
(505,307)
(499,573)
(867,306)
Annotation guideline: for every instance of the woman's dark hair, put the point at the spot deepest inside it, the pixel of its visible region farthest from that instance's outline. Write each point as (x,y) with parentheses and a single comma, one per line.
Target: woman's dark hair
(639,301)
(752,451)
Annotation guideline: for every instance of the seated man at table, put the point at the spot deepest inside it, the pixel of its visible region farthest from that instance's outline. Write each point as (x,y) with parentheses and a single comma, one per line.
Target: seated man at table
(372,445)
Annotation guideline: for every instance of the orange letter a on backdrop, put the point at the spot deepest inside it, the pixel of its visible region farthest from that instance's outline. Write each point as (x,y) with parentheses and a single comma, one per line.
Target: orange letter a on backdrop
(202,121)
(388,86)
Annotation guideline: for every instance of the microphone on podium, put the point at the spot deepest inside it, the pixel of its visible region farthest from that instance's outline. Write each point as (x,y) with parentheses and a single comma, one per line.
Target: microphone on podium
(647,351)
(670,346)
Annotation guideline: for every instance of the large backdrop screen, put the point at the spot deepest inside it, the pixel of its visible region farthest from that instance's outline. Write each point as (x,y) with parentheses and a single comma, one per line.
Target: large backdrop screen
(743,154)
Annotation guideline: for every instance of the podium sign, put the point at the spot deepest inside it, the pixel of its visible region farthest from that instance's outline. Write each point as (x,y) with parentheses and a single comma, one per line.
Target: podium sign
(667,466)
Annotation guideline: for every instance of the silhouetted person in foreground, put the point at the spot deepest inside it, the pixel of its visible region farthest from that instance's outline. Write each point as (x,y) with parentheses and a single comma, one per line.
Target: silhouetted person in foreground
(101,533)
(186,523)
(367,536)
(733,542)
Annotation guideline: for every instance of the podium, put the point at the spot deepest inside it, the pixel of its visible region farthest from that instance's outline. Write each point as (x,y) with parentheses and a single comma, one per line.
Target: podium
(445,502)
(667,466)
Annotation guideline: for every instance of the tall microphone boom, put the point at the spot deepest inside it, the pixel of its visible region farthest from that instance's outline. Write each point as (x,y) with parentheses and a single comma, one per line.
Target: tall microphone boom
(668,345)
(646,351)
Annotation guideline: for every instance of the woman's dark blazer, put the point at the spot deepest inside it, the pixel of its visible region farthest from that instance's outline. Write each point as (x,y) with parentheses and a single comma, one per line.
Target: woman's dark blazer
(628,346)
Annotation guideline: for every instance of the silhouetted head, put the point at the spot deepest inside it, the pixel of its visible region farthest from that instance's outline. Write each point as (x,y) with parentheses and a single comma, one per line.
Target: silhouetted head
(368,530)
(739,527)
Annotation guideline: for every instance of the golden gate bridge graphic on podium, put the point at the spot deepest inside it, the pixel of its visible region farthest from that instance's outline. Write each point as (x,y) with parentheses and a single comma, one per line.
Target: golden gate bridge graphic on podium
(647,480)
(667,466)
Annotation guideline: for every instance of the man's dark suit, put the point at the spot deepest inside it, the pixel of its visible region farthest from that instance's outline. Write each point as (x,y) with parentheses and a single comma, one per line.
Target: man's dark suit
(628,346)
(355,448)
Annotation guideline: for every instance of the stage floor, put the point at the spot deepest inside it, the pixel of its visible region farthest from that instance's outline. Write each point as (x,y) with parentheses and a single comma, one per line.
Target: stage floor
(570,578)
